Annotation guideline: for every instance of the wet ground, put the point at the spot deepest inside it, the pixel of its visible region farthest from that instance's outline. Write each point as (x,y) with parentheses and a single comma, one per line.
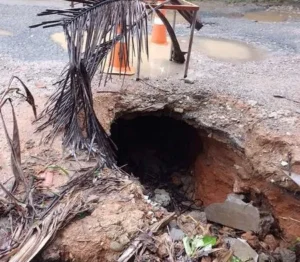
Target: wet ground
(258,47)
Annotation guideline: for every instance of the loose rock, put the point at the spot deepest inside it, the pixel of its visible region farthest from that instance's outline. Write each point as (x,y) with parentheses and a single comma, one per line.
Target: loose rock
(234,213)
(176,234)
(286,255)
(116,246)
(189,81)
(241,249)
(162,197)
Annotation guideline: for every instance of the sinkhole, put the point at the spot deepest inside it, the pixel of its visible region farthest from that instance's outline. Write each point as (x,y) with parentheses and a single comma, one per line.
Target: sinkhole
(161,151)
(155,147)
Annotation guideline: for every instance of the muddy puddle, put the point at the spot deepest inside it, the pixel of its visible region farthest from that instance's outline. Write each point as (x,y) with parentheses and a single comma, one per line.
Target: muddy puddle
(159,55)
(226,50)
(271,16)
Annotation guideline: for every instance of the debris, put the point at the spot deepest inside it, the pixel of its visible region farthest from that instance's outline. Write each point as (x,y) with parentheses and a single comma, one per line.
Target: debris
(206,259)
(176,234)
(162,197)
(271,241)
(286,255)
(295,177)
(234,213)
(284,163)
(251,239)
(241,249)
(198,243)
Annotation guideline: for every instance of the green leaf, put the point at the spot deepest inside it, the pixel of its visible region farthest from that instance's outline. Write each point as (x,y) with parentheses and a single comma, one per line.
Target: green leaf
(235,259)
(191,245)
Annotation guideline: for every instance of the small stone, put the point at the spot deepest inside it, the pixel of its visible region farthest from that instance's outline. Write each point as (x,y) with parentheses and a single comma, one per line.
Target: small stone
(178,110)
(123,239)
(265,258)
(284,163)
(116,246)
(241,249)
(162,197)
(286,254)
(252,102)
(40,85)
(176,234)
(273,115)
(271,241)
(189,81)
(173,223)
(198,216)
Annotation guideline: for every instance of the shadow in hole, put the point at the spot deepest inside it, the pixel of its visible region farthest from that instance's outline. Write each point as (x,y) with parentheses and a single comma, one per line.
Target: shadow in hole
(154,147)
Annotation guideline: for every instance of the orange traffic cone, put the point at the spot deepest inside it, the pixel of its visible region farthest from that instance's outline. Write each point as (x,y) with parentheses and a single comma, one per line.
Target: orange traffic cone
(159,31)
(120,60)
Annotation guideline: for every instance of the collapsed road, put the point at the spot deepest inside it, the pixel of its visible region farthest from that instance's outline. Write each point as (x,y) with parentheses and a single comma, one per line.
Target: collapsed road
(237,132)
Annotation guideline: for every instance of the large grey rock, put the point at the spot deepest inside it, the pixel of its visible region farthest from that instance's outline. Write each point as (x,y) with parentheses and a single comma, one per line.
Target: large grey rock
(241,249)
(234,213)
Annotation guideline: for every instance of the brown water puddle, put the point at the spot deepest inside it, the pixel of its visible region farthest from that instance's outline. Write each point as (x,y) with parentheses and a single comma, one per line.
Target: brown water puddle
(5,33)
(271,16)
(226,50)
(159,63)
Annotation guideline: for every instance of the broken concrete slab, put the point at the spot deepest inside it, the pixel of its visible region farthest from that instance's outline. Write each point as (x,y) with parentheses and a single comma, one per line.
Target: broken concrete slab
(234,213)
(242,249)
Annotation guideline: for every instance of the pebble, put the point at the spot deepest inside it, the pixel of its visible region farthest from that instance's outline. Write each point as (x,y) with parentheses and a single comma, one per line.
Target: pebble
(178,110)
(116,246)
(189,81)
(162,197)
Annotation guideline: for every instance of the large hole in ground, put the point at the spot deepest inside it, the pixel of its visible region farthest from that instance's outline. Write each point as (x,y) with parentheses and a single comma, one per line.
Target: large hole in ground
(159,150)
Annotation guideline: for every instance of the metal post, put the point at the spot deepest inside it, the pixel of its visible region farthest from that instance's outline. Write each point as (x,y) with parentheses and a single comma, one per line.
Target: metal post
(174,23)
(138,69)
(190,44)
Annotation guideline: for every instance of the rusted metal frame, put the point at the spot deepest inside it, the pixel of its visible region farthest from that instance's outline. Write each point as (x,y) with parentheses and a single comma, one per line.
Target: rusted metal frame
(190,44)
(177,7)
(187,7)
(173,25)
